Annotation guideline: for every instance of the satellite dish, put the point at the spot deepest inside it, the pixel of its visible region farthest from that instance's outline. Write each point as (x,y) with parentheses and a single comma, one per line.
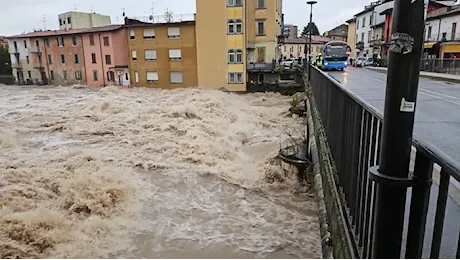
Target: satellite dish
(150,17)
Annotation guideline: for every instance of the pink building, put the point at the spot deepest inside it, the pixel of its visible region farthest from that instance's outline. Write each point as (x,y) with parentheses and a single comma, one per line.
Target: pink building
(106,56)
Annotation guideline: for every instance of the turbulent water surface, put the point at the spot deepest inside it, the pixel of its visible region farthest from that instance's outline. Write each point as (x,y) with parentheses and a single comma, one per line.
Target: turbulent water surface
(96,173)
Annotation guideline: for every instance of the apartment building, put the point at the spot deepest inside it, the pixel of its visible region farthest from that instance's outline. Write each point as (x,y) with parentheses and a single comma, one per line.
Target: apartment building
(106,56)
(351,37)
(296,47)
(231,34)
(21,60)
(164,54)
(291,31)
(81,20)
(339,33)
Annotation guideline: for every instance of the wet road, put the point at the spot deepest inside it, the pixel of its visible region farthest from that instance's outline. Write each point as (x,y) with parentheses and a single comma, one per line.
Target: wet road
(437,120)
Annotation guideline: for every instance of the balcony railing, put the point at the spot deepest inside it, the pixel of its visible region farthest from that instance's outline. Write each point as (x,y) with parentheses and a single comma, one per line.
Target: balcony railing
(377,42)
(443,37)
(14,51)
(16,65)
(35,50)
(262,66)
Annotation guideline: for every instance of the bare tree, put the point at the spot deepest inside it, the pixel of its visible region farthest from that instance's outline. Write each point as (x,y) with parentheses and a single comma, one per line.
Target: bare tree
(168,15)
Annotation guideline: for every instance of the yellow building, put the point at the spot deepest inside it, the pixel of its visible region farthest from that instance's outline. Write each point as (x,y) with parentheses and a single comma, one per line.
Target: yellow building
(351,38)
(232,33)
(162,55)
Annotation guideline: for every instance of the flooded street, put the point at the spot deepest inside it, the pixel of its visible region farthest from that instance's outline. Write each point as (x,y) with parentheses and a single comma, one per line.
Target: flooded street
(149,173)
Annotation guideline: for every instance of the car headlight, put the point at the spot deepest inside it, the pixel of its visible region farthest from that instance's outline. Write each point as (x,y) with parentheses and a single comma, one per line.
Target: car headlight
(346,63)
(326,63)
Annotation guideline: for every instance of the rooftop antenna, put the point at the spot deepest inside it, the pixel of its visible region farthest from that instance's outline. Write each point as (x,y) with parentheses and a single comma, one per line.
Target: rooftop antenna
(124,13)
(92,9)
(44,23)
(75,7)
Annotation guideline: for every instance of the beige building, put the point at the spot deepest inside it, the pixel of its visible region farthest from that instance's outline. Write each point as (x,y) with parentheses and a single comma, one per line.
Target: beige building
(351,38)
(296,47)
(232,33)
(80,20)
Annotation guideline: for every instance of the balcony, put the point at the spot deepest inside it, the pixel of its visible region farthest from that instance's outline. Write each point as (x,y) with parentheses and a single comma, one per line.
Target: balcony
(377,42)
(15,51)
(261,66)
(251,46)
(17,66)
(35,50)
(39,66)
(445,37)
(360,45)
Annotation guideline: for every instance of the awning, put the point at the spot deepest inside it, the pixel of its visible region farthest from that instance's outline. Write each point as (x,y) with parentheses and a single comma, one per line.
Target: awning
(451,48)
(429,45)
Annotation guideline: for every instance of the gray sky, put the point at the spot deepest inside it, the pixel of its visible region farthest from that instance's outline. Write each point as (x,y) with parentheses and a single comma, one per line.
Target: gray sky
(25,15)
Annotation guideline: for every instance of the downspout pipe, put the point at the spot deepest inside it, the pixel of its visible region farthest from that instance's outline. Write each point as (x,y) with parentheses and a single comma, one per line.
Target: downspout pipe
(102,61)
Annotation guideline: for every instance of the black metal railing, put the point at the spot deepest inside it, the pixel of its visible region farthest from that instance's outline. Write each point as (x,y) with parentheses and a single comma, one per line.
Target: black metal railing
(354,130)
(446,65)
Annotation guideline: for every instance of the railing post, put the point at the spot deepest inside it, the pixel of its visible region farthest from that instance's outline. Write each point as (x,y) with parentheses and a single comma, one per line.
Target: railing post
(420,200)
(391,177)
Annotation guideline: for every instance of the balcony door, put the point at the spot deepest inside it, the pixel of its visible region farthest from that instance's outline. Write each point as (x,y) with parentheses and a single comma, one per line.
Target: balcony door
(454,30)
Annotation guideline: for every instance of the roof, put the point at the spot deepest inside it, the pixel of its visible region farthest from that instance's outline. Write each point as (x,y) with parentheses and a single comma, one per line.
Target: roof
(387,11)
(381,24)
(351,20)
(67,32)
(443,11)
(159,24)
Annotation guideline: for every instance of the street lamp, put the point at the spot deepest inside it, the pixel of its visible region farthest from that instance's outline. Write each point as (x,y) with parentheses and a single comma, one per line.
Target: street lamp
(311,3)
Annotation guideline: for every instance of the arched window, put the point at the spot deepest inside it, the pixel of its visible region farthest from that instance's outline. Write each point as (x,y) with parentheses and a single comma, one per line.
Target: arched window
(231,56)
(239,56)
(231,27)
(239,26)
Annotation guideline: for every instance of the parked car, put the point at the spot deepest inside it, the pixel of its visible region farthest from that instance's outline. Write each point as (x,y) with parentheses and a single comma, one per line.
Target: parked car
(287,63)
(360,62)
(369,62)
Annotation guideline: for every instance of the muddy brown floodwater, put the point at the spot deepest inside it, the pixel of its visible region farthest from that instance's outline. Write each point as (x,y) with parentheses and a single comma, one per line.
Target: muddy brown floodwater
(148,173)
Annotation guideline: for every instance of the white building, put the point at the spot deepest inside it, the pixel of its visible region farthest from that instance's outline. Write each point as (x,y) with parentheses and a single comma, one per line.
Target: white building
(441,25)
(21,59)
(369,27)
(80,20)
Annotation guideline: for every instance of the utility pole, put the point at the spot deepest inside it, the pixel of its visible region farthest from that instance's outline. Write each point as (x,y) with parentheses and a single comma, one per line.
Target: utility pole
(310,25)
(392,175)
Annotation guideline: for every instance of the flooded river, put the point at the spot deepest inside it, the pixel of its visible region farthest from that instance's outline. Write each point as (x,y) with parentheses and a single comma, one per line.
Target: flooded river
(147,173)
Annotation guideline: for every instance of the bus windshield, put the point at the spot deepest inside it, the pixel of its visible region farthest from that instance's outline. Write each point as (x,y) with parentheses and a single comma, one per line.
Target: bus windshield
(335,51)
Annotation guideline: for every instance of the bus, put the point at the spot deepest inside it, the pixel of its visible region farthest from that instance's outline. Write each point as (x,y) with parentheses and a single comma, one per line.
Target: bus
(335,55)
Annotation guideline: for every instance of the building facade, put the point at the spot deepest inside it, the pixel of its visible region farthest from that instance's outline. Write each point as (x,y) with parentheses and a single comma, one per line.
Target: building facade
(81,20)
(163,55)
(21,60)
(442,37)
(106,56)
(291,31)
(351,37)
(293,48)
(339,33)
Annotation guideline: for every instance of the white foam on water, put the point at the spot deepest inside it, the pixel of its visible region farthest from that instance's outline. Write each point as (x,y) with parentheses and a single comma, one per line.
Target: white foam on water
(148,173)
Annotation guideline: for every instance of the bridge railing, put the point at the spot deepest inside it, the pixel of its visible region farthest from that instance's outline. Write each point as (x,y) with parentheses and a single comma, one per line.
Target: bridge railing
(354,130)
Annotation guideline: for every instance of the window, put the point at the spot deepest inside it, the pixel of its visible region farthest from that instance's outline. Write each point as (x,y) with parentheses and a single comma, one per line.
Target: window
(62,58)
(370,19)
(239,56)
(239,26)
(176,77)
(78,75)
(65,74)
(150,55)
(284,48)
(369,36)
(93,57)
(174,32)
(362,37)
(291,49)
(50,61)
(108,60)
(25,44)
(47,42)
(429,32)
(231,56)
(261,78)
(76,58)
(175,54)
(356,38)
(134,55)
(126,76)
(357,23)
(444,36)
(91,40)
(74,40)
(260,4)
(60,41)
(231,27)
(152,77)
(136,77)
(29,73)
(235,78)
(260,27)
(132,34)
(110,75)
(234,2)
(149,33)
(51,75)
(27,59)
(300,49)
(364,21)
(60,21)
(106,40)
(94,74)
(68,20)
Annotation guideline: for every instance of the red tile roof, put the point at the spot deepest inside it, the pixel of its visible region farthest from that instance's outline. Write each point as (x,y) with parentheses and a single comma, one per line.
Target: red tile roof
(66,32)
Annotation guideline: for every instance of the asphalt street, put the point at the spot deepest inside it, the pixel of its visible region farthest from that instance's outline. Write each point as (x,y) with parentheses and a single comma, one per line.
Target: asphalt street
(437,121)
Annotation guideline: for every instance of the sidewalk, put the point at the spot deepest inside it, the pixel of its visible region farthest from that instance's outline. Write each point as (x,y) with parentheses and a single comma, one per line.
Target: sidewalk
(430,75)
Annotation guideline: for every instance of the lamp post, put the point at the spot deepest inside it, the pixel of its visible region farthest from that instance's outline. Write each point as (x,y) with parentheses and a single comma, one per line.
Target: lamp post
(311,3)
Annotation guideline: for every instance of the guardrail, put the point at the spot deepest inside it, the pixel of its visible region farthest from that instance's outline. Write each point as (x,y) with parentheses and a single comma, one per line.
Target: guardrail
(354,130)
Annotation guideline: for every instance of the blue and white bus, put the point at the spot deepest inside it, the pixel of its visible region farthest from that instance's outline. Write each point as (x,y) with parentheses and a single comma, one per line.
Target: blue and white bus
(335,55)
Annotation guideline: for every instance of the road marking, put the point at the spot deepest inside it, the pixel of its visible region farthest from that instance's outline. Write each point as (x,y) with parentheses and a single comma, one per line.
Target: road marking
(438,97)
(440,94)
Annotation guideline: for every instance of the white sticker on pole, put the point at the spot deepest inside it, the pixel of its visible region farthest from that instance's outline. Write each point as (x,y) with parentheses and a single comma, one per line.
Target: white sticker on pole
(407,106)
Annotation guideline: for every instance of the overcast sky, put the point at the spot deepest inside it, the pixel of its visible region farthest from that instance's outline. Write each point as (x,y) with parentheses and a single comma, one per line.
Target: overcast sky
(25,15)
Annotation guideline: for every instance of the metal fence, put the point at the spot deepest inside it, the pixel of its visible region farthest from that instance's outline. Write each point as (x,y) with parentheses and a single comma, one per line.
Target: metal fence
(354,130)
(448,66)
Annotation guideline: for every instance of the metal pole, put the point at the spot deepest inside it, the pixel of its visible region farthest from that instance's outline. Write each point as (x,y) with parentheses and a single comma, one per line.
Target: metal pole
(309,39)
(401,93)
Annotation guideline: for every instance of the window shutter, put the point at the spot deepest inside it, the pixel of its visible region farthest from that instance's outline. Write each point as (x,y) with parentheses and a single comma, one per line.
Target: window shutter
(152,76)
(176,77)
(175,54)
(149,33)
(150,54)
(133,54)
(173,32)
